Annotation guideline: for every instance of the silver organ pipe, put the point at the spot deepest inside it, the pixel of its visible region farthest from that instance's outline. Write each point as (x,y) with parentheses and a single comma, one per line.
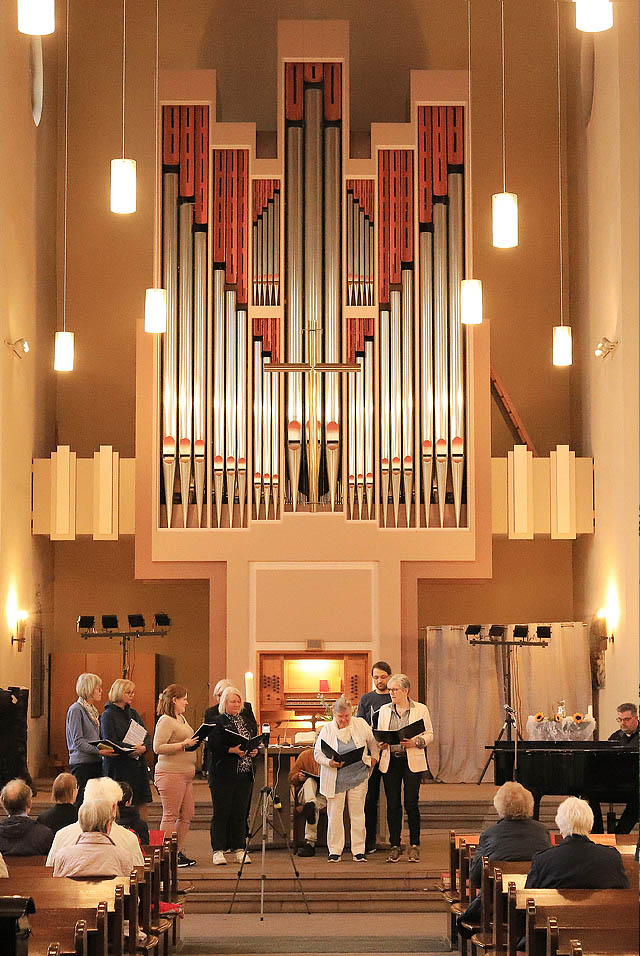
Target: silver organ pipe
(332,312)
(270,264)
(266,436)
(407,389)
(396,400)
(426,367)
(170,338)
(254,260)
(360,434)
(369,425)
(351,448)
(230,400)
(372,247)
(456,381)
(350,243)
(385,414)
(361,257)
(185,349)
(258,267)
(257,425)
(313,259)
(241,409)
(294,303)
(275,442)
(276,248)
(440,349)
(218,410)
(264,255)
(199,366)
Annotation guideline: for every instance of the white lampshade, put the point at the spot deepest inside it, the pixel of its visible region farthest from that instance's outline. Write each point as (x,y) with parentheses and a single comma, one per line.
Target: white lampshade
(123,185)
(36,17)
(155,310)
(504,217)
(562,345)
(63,352)
(471,302)
(593,16)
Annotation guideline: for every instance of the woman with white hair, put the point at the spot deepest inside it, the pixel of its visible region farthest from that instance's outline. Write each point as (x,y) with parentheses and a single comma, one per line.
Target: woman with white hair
(341,780)
(83,732)
(114,724)
(230,776)
(403,764)
(577,863)
(94,853)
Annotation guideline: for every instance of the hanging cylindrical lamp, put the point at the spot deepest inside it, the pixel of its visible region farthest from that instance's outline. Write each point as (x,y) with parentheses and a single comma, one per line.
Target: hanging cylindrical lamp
(504,205)
(63,352)
(155,303)
(562,345)
(123,171)
(36,17)
(471,302)
(562,340)
(594,16)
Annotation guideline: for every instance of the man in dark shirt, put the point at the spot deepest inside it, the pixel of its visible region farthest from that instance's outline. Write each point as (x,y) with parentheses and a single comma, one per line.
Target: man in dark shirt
(20,834)
(368,708)
(627,735)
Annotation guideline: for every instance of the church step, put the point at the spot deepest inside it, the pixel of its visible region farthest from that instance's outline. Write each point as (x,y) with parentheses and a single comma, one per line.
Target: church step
(333,901)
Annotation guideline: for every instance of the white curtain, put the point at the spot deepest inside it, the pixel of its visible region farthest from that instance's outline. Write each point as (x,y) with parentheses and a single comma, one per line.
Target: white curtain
(465,691)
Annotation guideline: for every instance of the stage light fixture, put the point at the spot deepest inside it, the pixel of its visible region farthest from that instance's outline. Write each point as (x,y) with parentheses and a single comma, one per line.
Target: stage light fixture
(162,620)
(497,630)
(472,630)
(543,632)
(136,622)
(86,622)
(521,632)
(110,622)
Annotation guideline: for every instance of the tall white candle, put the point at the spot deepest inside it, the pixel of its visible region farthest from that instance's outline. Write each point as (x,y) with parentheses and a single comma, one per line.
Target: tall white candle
(249,694)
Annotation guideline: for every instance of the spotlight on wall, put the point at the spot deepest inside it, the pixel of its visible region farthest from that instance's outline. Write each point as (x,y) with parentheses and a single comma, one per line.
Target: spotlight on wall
(605,347)
(110,622)
(162,620)
(543,632)
(36,17)
(136,622)
(497,630)
(520,632)
(19,348)
(86,622)
(20,627)
(473,630)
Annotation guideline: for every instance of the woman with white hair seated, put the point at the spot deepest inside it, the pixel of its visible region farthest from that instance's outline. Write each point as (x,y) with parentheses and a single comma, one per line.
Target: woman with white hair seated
(340,781)
(94,853)
(577,863)
(403,764)
(230,776)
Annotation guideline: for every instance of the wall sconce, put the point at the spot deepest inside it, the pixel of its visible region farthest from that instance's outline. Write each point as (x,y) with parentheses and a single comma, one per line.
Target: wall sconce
(20,626)
(19,348)
(605,347)
(604,635)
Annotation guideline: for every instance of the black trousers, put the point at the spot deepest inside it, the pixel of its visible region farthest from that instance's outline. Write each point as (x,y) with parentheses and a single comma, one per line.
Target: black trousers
(625,824)
(371,808)
(230,796)
(398,776)
(84,772)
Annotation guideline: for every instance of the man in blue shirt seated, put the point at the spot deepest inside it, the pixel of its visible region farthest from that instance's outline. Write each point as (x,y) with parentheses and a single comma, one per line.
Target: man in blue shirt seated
(368,707)
(20,834)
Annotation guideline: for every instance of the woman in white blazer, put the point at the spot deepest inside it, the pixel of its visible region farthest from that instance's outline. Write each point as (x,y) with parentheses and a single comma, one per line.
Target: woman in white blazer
(339,782)
(403,764)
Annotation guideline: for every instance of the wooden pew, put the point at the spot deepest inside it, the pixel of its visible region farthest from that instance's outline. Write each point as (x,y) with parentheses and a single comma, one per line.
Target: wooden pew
(465,855)
(576,949)
(553,936)
(80,931)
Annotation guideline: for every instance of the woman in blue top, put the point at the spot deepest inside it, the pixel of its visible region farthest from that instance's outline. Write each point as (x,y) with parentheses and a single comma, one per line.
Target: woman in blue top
(83,732)
(114,723)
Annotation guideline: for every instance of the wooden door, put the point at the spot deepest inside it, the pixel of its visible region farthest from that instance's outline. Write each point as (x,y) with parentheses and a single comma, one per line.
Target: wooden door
(356,676)
(271,682)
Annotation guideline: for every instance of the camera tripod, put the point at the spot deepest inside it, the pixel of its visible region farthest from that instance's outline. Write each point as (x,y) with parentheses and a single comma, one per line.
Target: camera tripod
(267,814)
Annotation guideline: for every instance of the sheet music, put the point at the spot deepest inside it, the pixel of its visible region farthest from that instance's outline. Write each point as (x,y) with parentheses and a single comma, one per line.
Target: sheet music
(135,734)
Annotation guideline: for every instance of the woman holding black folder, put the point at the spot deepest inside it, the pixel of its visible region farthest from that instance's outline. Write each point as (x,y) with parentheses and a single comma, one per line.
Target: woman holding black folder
(407,724)
(230,775)
(346,750)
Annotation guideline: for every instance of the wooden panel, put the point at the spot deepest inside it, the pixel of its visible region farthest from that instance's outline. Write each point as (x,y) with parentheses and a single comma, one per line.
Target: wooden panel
(231,214)
(271,682)
(455,135)
(406,205)
(383,224)
(294,100)
(439,116)
(171,135)
(243,224)
(187,152)
(425,169)
(202,164)
(394,216)
(332,92)
(219,204)
(356,676)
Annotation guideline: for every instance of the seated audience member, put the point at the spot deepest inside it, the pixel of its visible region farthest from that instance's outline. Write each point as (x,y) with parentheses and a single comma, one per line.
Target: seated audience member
(577,863)
(99,788)
(627,735)
(4,872)
(305,777)
(516,836)
(64,810)
(20,834)
(94,853)
(128,815)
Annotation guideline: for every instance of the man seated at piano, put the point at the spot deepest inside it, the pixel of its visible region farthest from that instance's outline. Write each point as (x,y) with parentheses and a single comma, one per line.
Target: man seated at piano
(627,735)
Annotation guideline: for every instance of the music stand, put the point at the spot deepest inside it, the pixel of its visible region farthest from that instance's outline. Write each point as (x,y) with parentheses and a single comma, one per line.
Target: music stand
(496,636)
(268,802)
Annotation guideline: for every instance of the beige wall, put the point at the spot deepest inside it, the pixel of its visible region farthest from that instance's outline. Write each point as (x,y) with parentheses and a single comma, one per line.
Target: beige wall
(604,292)
(27,309)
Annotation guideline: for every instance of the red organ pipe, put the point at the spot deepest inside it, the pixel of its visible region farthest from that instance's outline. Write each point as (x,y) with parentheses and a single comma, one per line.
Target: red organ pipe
(455,135)
(425,167)
(406,205)
(187,151)
(357,331)
(332,92)
(219,204)
(294,91)
(269,331)
(171,135)
(243,225)
(201,164)
(439,117)
(383,227)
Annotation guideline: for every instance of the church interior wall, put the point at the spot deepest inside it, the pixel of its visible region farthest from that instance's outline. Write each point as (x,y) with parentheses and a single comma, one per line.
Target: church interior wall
(27,310)
(603,209)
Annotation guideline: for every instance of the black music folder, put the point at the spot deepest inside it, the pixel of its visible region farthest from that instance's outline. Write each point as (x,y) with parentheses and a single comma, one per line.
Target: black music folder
(405,733)
(352,756)
(118,748)
(203,731)
(237,740)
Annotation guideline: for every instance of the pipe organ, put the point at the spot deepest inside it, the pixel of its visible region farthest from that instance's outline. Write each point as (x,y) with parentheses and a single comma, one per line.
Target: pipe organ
(314,358)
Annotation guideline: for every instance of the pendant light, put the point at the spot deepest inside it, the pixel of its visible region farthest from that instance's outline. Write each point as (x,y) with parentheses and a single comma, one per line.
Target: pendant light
(63,352)
(123,171)
(36,17)
(594,16)
(470,289)
(155,303)
(504,205)
(562,341)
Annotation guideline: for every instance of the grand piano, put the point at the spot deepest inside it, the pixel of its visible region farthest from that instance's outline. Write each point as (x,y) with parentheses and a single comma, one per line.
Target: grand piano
(596,769)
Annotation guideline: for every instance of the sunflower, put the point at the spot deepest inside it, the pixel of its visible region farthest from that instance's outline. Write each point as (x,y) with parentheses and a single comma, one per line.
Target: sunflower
(578,718)
(539,717)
